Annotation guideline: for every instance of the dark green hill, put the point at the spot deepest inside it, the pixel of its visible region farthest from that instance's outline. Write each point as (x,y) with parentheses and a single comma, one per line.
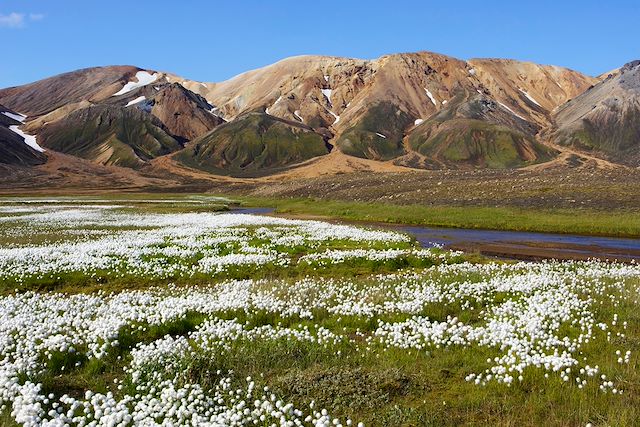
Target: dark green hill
(476,131)
(378,135)
(466,142)
(110,135)
(254,144)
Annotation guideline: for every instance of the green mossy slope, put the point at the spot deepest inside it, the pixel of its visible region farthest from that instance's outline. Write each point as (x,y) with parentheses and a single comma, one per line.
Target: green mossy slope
(253,145)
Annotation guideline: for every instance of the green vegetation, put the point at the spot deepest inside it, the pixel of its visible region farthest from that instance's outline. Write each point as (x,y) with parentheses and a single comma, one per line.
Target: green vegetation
(616,138)
(365,140)
(252,145)
(352,372)
(111,135)
(378,386)
(477,143)
(573,221)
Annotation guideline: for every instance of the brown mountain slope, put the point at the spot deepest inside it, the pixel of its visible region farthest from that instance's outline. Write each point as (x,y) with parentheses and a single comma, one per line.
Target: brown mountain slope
(184,114)
(296,84)
(45,96)
(419,109)
(531,90)
(606,118)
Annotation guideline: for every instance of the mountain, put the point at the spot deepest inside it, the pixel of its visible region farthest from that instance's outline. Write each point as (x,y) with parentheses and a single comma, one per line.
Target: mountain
(17,148)
(183,114)
(372,109)
(45,96)
(606,118)
(475,131)
(110,135)
(117,115)
(410,110)
(254,144)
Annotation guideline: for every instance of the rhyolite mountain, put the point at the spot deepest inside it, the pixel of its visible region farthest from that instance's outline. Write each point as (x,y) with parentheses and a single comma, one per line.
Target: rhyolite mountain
(416,110)
(605,119)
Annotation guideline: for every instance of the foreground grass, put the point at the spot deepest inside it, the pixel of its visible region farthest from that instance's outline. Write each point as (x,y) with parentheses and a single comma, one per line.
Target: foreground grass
(566,221)
(378,386)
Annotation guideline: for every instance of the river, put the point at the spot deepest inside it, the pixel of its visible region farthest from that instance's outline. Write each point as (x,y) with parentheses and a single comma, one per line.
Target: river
(509,244)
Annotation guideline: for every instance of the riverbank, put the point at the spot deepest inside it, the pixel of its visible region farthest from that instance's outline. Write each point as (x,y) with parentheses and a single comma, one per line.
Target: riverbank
(578,221)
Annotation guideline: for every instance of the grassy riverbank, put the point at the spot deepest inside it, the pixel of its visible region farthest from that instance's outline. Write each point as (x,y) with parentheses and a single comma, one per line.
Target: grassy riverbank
(570,221)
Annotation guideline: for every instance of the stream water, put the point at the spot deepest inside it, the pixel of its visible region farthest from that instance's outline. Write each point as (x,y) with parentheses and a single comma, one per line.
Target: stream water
(512,244)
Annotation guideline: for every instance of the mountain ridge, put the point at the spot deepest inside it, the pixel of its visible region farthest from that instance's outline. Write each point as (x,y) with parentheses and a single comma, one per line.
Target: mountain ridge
(416,110)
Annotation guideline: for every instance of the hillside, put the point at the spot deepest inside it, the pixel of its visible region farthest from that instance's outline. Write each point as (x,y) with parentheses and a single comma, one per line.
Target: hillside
(254,144)
(606,118)
(402,111)
(16,147)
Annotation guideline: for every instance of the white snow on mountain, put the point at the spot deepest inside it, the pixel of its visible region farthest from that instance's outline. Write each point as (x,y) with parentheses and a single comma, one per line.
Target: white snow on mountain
(381,135)
(529,97)
(511,111)
(327,94)
(215,110)
(17,117)
(277,100)
(430,95)
(418,122)
(135,101)
(30,140)
(144,78)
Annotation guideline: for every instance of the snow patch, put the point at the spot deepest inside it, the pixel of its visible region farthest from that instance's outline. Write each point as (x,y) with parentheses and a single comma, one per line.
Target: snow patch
(381,135)
(17,117)
(430,95)
(337,117)
(297,114)
(327,94)
(144,78)
(529,97)
(472,71)
(266,110)
(326,78)
(418,122)
(511,111)
(444,102)
(214,111)
(30,140)
(136,101)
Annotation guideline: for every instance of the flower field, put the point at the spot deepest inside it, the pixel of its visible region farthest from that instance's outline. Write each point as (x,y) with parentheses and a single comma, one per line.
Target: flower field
(116,316)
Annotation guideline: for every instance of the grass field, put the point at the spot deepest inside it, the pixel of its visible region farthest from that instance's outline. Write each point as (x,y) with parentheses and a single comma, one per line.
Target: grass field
(571,221)
(172,311)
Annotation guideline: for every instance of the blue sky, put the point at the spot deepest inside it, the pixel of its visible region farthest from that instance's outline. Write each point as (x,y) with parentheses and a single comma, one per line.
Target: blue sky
(215,40)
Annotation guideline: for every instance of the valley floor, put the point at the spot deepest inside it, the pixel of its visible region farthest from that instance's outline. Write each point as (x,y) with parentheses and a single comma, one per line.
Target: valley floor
(581,200)
(141,309)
